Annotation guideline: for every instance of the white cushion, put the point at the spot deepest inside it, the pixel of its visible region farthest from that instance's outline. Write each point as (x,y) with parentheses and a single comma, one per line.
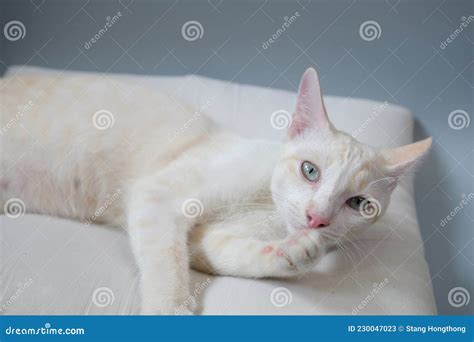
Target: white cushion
(53,266)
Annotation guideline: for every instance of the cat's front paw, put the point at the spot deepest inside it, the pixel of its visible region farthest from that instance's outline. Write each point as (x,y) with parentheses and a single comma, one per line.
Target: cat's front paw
(298,253)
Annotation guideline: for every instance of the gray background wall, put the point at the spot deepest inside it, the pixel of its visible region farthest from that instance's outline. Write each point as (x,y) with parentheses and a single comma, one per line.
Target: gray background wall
(405,65)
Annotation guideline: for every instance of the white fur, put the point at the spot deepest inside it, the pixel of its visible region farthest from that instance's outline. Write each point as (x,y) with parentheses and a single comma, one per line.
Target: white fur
(252,192)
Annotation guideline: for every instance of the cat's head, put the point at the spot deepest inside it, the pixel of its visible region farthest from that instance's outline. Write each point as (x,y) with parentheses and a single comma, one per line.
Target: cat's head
(328,181)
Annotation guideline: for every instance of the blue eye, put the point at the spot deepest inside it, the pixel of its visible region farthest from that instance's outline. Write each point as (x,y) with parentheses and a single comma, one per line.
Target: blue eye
(356,202)
(310,171)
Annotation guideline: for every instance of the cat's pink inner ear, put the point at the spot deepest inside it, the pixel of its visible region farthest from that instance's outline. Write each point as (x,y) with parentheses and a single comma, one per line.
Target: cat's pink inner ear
(310,112)
(402,159)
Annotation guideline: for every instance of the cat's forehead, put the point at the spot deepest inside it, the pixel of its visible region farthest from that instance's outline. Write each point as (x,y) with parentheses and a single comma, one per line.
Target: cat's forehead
(332,147)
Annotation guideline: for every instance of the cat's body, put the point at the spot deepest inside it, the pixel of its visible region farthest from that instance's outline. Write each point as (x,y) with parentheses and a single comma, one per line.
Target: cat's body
(185,192)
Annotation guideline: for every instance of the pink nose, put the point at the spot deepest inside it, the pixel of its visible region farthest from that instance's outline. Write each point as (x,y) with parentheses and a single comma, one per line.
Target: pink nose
(316,221)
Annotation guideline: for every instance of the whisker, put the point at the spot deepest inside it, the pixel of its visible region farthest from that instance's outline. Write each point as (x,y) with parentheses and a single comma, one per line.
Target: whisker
(345,252)
(358,253)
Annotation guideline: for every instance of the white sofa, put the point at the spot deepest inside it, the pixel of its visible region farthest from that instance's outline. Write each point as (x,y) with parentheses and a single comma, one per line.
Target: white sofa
(56,266)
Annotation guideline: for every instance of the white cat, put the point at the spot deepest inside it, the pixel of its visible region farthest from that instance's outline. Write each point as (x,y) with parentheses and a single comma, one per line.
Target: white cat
(206,198)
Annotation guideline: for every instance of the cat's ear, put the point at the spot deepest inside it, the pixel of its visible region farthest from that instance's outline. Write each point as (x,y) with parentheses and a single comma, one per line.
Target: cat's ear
(310,112)
(404,159)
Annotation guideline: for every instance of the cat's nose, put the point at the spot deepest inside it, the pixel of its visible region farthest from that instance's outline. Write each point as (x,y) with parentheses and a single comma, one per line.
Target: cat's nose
(316,221)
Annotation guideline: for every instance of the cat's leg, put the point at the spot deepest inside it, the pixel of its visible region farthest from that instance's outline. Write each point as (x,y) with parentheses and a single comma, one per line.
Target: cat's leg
(159,243)
(221,251)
